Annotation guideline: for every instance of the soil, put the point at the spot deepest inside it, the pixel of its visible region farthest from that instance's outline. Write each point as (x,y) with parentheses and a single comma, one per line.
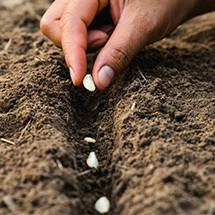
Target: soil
(157,157)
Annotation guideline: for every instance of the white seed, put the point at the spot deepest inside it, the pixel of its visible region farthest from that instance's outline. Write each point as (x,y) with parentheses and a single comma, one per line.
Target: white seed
(102,205)
(92,161)
(89,83)
(89,140)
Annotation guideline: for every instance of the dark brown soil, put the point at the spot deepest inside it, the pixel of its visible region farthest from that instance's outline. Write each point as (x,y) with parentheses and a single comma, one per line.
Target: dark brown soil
(157,159)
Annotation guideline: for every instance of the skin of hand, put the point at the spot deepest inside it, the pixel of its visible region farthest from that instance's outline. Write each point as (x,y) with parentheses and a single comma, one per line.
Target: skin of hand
(121,27)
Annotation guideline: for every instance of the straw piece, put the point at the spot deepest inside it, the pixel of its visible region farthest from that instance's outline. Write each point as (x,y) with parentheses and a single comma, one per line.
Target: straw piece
(7,141)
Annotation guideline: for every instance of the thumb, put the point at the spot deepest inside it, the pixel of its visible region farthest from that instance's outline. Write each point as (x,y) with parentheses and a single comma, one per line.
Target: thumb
(125,42)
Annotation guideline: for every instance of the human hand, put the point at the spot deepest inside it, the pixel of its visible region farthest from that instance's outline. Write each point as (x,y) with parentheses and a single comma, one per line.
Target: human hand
(135,23)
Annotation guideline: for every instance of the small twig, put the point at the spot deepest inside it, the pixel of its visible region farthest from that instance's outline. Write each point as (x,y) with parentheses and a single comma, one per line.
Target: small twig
(133,106)
(40,59)
(8,44)
(25,128)
(141,74)
(212,138)
(140,82)
(9,203)
(122,167)
(60,165)
(84,173)
(95,107)
(172,86)
(7,141)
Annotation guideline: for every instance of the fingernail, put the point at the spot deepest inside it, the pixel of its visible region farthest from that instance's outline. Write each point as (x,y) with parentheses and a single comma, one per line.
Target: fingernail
(72,74)
(97,44)
(106,76)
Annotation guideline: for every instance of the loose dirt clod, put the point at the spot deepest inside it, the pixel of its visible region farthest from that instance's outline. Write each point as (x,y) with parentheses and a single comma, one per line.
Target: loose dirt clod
(89,83)
(92,161)
(102,205)
(89,140)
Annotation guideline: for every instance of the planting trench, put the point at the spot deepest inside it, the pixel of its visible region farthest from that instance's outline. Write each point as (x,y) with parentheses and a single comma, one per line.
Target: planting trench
(154,158)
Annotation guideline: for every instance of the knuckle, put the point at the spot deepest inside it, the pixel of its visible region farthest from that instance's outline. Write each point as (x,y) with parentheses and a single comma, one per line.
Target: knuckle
(45,24)
(120,58)
(65,19)
(66,48)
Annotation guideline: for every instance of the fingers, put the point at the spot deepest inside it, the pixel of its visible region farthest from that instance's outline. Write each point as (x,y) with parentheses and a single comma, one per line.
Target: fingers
(76,17)
(66,22)
(75,26)
(50,26)
(125,42)
(49,23)
(97,38)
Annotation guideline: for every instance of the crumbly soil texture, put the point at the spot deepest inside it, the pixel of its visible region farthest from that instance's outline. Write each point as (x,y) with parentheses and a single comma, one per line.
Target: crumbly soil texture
(154,126)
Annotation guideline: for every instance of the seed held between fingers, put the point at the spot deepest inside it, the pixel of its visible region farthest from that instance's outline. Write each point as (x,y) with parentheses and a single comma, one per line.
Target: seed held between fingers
(89,83)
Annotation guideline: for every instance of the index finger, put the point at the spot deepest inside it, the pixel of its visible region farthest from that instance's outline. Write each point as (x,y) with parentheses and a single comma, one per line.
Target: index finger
(77,16)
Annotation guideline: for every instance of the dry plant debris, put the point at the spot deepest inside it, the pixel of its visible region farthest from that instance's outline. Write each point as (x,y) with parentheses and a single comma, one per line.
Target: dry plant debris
(7,141)
(133,106)
(8,201)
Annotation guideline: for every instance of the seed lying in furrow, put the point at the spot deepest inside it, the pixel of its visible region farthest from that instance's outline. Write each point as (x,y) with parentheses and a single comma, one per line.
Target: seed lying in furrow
(89,140)
(102,205)
(89,83)
(92,161)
